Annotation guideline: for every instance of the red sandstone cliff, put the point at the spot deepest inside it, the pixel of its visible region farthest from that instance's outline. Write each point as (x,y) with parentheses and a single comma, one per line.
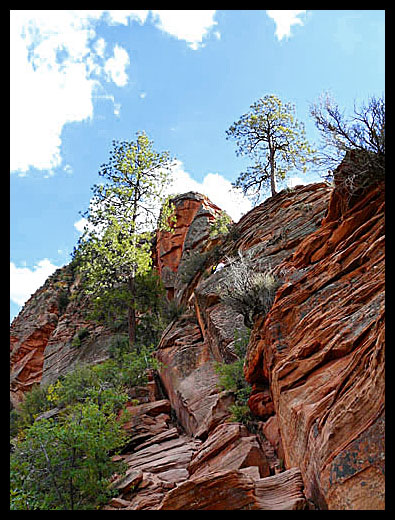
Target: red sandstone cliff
(316,363)
(321,352)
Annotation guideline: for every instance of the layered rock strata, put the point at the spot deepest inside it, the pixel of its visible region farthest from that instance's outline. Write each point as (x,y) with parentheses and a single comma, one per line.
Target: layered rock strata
(321,351)
(315,362)
(31,330)
(168,469)
(43,343)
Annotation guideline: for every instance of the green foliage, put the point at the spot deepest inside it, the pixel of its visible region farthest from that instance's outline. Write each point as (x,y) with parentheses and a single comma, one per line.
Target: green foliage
(272,136)
(34,403)
(357,140)
(171,310)
(63,299)
(125,210)
(247,290)
(111,308)
(79,336)
(221,225)
(65,464)
(231,378)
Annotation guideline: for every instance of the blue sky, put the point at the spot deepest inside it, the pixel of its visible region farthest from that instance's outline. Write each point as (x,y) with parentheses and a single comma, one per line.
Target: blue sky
(79,79)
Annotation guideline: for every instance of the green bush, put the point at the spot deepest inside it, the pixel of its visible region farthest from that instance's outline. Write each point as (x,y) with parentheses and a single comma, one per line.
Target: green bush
(79,336)
(221,225)
(34,404)
(231,379)
(65,462)
(63,299)
(172,310)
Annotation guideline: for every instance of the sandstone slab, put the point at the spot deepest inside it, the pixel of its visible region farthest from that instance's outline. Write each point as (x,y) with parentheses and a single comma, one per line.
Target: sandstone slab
(237,490)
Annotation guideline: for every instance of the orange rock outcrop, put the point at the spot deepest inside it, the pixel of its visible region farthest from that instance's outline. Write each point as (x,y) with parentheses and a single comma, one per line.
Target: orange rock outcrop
(194,213)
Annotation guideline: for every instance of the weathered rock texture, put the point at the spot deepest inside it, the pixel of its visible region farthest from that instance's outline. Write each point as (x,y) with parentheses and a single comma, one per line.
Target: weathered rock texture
(189,378)
(194,213)
(168,469)
(321,352)
(315,362)
(41,336)
(30,332)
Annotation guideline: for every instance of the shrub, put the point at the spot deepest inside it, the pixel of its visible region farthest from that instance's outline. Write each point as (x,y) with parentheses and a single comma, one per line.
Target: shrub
(66,464)
(80,335)
(247,291)
(171,310)
(34,403)
(231,378)
(221,225)
(63,300)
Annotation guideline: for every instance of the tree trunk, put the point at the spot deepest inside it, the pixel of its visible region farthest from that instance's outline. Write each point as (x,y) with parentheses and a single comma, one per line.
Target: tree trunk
(272,174)
(132,314)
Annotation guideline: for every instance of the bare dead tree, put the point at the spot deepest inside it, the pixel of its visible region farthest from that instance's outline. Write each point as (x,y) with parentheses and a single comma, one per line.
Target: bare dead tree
(358,141)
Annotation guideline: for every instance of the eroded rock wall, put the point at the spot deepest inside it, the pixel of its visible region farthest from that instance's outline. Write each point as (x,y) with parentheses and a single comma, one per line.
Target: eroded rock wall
(321,352)
(194,215)
(315,362)
(30,332)
(41,336)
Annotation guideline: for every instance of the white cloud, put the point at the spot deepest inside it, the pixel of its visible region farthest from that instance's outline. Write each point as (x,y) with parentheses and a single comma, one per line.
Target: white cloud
(24,281)
(191,26)
(294,181)
(284,20)
(57,63)
(116,65)
(80,224)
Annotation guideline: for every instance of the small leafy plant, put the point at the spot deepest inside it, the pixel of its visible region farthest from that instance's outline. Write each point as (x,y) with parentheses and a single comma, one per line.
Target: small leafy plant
(231,378)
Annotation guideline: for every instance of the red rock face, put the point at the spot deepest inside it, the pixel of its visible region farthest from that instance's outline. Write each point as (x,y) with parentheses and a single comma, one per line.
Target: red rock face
(194,214)
(41,336)
(315,363)
(189,378)
(29,335)
(321,350)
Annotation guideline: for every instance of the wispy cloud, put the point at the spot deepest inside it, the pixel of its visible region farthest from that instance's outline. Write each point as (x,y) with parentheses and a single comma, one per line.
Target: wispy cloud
(284,20)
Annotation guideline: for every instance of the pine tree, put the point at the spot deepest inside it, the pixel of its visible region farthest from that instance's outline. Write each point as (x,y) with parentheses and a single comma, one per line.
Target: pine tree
(116,245)
(271,135)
